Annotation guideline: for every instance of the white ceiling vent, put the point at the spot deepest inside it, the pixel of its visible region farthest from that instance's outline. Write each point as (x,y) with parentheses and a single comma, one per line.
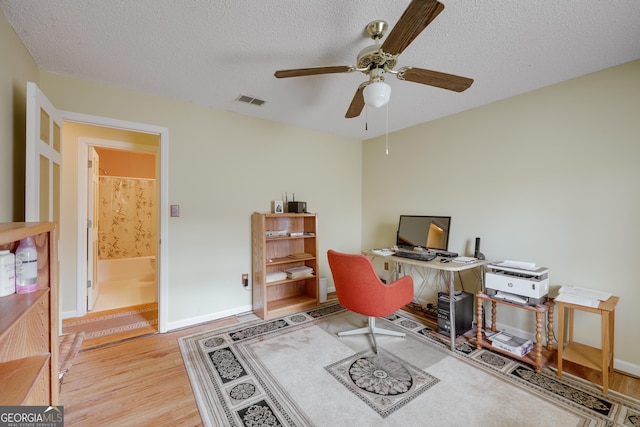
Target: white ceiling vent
(250,100)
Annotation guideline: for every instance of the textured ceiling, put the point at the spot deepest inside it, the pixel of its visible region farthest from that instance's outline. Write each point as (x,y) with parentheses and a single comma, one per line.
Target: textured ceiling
(210,52)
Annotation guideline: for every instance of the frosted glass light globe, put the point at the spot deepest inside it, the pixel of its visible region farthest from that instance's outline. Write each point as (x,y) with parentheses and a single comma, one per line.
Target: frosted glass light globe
(377,94)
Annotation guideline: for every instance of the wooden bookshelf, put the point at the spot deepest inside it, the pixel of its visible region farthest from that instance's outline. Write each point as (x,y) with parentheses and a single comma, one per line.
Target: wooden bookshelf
(29,324)
(273,254)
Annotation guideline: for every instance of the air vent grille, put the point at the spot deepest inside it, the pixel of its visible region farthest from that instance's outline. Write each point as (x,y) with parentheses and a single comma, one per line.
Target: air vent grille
(250,100)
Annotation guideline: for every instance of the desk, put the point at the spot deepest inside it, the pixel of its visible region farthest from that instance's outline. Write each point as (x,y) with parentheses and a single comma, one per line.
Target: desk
(435,264)
(594,358)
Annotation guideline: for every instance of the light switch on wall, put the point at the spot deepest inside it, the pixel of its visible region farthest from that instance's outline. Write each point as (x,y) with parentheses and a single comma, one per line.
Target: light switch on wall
(175,210)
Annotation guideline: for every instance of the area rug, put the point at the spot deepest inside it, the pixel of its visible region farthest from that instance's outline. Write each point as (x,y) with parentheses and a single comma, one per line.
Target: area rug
(295,371)
(99,327)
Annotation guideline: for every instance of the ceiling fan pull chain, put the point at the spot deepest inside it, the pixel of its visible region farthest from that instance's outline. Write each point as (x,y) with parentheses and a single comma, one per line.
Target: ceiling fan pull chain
(366,118)
(387,132)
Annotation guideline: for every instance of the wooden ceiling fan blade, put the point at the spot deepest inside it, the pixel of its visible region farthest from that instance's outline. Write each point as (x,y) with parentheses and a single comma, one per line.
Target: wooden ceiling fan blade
(357,103)
(298,72)
(435,78)
(415,18)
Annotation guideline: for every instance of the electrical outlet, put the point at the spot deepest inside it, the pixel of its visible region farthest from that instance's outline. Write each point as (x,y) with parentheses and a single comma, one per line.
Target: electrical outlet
(245,280)
(175,210)
(386,265)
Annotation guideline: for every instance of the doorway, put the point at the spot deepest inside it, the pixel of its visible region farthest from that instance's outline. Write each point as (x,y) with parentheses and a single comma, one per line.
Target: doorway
(125,201)
(118,200)
(83,133)
(118,195)
(45,200)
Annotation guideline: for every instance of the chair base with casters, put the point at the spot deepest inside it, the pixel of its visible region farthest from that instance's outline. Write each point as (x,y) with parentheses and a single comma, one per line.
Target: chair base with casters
(359,289)
(372,329)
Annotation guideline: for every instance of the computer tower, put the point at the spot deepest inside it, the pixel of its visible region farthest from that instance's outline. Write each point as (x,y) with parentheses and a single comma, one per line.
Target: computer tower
(464,313)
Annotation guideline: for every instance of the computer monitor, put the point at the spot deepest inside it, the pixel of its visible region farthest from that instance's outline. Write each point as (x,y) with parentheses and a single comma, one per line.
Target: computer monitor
(429,232)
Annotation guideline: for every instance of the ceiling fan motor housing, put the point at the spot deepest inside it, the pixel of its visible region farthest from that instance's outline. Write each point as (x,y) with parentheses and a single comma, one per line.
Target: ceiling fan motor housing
(373,57)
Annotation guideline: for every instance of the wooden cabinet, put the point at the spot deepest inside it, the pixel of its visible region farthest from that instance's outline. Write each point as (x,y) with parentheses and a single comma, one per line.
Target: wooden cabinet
(281,242)
(29,324)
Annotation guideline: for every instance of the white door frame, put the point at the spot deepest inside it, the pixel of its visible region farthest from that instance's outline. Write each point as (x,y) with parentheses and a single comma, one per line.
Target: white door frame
(163,205)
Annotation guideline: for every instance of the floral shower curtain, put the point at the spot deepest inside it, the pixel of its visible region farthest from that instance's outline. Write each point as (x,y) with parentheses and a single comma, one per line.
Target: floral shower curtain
(127,218)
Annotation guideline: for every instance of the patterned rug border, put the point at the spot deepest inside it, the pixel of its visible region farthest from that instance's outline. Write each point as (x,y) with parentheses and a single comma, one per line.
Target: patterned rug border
(118,329)
(568,392)
(83,320)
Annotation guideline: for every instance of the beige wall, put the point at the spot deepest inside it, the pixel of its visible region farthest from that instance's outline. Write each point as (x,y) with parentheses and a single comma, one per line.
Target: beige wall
(16,69)
(222,167)
(550,177)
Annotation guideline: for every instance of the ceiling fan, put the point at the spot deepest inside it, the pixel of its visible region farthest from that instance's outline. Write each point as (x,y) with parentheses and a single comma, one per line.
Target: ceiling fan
(379,59)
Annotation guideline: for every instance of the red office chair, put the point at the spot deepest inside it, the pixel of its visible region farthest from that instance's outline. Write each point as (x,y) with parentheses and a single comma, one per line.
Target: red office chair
(360,290)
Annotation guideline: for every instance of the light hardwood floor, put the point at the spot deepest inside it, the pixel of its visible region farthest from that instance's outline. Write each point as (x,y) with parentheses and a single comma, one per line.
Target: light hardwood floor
(143,382)
(133,383)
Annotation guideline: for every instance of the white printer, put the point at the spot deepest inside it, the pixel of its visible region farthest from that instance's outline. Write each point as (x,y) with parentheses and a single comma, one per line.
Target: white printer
(518,282)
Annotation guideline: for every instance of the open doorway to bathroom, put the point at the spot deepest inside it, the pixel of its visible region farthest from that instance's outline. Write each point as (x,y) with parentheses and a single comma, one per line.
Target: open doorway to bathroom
(127,237)
(118,179)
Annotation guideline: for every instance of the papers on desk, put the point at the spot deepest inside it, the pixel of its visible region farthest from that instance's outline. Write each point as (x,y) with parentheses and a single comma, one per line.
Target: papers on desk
(464,259)
(581,296)
(383,252)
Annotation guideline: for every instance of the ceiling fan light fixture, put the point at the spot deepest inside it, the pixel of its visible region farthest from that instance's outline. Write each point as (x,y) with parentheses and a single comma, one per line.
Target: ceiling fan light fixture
(377,94)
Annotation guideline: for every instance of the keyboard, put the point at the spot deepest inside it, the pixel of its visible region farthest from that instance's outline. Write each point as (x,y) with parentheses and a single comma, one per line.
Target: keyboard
(420,256)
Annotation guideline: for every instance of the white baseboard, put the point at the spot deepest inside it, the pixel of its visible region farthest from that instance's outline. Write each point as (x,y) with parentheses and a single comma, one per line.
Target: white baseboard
(207,318)
(630,368)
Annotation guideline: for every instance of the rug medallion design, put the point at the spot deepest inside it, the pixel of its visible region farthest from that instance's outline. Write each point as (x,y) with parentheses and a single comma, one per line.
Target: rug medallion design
(384,382)
(295,371)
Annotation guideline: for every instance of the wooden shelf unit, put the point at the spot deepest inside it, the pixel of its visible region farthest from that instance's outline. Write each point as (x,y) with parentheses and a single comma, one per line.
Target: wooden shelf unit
(270,254)
(29,324)
(540,354)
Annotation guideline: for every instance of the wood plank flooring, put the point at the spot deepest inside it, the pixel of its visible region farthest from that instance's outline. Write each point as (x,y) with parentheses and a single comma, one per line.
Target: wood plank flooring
(143,382)
(132,383)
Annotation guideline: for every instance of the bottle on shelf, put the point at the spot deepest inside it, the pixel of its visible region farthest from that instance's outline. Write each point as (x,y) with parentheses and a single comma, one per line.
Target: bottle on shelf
(26,266)
(7,273)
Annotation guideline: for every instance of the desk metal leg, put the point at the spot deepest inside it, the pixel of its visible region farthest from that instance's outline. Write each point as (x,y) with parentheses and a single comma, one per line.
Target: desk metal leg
(550,327)
(452,311)
(479,328)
